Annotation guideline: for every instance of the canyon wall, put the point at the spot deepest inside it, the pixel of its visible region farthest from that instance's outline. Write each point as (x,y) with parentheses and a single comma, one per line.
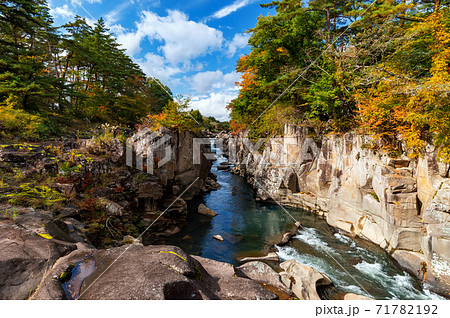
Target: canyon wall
(401,204)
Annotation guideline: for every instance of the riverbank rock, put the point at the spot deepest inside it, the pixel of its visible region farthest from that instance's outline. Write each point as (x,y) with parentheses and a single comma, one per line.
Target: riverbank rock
(25,259)
(305,280)
(204,210)
(225,281)
(268,257)
(262,273)
(154,273)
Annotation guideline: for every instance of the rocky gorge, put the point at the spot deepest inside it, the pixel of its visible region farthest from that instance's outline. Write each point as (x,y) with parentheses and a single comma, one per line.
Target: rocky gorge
(400,203)
(74,194)
(89,218)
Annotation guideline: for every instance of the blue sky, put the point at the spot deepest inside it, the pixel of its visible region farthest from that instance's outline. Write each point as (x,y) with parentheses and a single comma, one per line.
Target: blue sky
(191,45)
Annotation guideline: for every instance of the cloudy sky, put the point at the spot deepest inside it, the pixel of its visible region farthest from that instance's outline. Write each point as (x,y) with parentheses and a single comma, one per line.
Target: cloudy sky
(190,45)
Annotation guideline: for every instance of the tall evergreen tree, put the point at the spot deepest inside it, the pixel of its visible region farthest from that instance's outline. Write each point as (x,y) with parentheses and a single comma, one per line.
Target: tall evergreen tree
(26,38)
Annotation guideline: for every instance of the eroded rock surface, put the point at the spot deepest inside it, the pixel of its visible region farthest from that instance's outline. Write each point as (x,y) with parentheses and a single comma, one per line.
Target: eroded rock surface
(305,280)
(401,204)
(25,259)
(154,272)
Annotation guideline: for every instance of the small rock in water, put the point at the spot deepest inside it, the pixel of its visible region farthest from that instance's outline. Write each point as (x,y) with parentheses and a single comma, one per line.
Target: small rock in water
(204,210)
(288,235)
(218,237)
(225,168)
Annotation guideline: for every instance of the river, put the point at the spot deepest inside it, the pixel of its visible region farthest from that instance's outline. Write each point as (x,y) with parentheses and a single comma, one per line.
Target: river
(249,228)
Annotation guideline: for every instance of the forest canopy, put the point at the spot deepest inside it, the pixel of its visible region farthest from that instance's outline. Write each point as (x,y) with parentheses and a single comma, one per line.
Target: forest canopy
(382,67)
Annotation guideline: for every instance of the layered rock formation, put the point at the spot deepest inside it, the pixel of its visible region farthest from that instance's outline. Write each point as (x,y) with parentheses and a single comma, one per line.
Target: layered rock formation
(92,181)
(402,204)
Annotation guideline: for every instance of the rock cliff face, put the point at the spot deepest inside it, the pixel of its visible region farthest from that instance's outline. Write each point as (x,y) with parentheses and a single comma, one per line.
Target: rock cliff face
(402,204)
(174,177)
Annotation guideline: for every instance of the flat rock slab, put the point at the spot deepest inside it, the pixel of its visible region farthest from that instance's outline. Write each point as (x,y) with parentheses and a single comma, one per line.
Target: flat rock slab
(154,272)
(269,257)
(351,296)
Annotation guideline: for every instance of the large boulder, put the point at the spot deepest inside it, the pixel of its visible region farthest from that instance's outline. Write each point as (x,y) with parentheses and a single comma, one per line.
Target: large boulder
(262,273)
(305,280)
(25,259)
(152,272)
(224,281)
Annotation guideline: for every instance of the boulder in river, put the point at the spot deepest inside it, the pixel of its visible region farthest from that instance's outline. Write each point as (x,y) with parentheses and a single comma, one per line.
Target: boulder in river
(224,168)
(218,237)
(262,273)
(204,210)
(288,235)
(305,280)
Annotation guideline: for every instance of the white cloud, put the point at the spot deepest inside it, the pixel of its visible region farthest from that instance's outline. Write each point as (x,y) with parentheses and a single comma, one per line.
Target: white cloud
(63,12)
(156,66)
(214,104)
(205,82)
(90,1)
(216,90)
(130,41)
(230,80)
(182,39)
(231,8)
(240,41)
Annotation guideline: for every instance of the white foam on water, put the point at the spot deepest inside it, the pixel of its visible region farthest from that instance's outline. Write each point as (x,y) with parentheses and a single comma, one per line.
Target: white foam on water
(343,238)
(286,253)
(311,237)
(399,286)
(430,294)
(357,251)
(374,270)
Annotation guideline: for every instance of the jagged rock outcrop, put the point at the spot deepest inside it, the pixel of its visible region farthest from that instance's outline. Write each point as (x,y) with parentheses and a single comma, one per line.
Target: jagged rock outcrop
(92,181)
(402,204)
